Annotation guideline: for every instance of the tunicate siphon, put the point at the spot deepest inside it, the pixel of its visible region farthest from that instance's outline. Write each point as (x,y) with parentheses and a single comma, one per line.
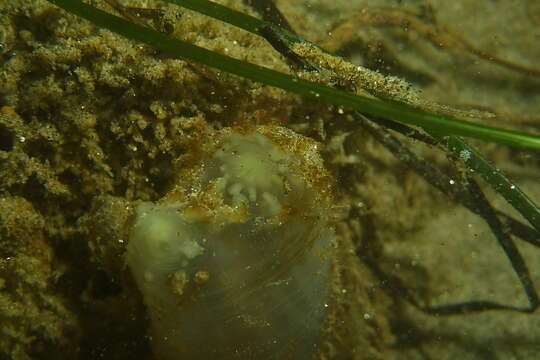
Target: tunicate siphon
(235,261)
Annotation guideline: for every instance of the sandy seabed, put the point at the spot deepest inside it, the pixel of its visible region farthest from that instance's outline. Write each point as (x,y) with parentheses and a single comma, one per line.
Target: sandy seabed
(91,122)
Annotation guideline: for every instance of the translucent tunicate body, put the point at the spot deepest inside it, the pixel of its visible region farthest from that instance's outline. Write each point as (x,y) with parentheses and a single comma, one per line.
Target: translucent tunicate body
(239,264)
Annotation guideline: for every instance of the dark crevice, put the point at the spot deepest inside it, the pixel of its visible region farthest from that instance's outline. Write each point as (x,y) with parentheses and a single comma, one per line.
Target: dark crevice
(7,139)
(40,149)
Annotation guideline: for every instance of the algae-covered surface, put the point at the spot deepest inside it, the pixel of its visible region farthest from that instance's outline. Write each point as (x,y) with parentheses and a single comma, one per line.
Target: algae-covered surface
(91,122)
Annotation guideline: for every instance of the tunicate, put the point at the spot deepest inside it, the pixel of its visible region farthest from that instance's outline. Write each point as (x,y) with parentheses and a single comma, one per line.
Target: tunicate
(235,261)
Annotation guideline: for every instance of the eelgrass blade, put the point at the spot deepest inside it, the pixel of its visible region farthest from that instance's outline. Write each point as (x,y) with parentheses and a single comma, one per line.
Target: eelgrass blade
(497,179)
(235,18)
(432,123)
